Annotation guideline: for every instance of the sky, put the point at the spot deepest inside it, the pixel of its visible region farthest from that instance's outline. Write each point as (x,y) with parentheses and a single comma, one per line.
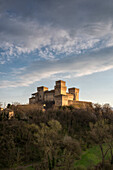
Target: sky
(42,41)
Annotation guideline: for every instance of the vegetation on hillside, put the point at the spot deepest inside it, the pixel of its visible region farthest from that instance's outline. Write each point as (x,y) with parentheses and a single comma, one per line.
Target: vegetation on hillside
(58,138)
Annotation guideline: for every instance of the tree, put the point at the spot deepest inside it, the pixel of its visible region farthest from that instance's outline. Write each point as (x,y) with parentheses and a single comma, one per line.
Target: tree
(101,136)
(71,152)
(58,151)
(47,140)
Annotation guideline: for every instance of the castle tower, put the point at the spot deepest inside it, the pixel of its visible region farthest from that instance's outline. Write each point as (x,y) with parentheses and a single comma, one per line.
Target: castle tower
(75,92)
(60,88)
(61,98)
(41,91)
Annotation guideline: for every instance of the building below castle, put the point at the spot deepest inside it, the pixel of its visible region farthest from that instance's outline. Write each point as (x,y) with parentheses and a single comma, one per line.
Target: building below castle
(58,95)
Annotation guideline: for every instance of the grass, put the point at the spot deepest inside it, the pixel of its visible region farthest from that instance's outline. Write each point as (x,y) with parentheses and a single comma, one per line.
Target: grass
(30,168)
(90,157)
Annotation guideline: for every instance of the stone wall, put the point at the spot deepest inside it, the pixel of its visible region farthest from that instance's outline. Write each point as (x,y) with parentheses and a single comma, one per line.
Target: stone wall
(60,88)
(41,91)
(80,104)
(32,100)
(59,96)
(70,96)
(64,100)
(75,92)
(58,100)
(49,95)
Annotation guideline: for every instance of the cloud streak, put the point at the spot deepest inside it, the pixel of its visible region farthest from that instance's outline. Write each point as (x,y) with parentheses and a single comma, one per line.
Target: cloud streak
(72,67)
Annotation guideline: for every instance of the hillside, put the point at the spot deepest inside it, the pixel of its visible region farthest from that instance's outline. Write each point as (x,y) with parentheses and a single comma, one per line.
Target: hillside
(57,138)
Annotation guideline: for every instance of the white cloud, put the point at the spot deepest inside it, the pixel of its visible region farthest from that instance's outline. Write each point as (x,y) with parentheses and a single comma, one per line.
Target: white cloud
(66,67)
(72,38)
(20,36)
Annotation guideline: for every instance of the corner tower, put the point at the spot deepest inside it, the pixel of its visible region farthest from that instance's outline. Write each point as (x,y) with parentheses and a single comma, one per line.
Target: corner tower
(41,91)
(75,92)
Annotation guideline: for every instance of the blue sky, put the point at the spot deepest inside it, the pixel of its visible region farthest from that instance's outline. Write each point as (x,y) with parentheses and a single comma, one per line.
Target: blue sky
(42,41)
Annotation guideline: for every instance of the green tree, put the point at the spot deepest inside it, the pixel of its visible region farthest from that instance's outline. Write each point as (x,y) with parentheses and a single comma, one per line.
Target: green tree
(100,135)
(58,151)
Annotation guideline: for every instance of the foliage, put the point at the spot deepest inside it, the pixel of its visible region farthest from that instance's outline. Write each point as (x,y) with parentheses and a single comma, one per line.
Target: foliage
(58,138)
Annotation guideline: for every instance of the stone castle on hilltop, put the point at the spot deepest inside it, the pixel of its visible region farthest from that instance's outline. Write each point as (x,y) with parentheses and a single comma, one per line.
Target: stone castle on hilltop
(58,95)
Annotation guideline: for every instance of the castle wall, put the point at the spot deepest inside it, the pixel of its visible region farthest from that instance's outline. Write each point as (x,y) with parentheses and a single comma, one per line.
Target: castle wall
(61,100)
(60,83)
(75,92)
(58,95)
(41,91)
(58,100)
(37,97)
(41,95)
(49,95)
(64,100)
(80,104)
(32,100)
(60,88)
(63,90)
(70,96)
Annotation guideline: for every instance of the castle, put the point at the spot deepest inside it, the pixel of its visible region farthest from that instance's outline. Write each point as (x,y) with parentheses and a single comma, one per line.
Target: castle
(59,96)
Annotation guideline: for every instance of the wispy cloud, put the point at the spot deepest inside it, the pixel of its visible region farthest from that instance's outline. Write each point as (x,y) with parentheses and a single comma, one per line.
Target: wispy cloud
(63,29)
(69,38)
(48,40)
(71,67)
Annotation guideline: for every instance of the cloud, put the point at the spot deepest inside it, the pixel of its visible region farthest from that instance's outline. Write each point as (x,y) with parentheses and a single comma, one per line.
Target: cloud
(48,40)
(69,68)
(54,28)
(70,39)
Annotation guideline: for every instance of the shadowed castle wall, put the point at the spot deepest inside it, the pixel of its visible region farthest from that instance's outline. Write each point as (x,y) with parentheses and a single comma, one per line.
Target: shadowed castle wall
(41,91)
(49,95)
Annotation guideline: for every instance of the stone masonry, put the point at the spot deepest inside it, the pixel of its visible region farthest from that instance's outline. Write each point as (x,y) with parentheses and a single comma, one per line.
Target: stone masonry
(58,95)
